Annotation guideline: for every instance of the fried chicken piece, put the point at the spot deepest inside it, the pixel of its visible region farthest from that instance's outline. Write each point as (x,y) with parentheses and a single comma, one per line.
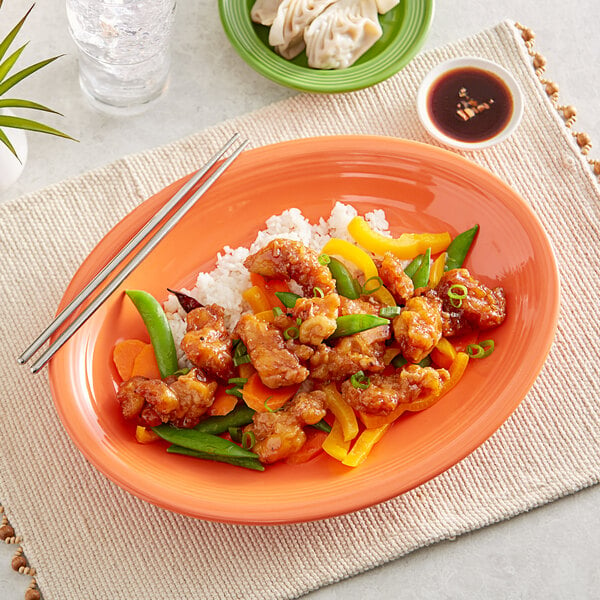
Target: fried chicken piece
(181,401)
(395,279)
(359,352)
(483,308)
(288,259)
(276,365)
(318,316)
(386,392)
(207,342)
(418,328)
(279,434)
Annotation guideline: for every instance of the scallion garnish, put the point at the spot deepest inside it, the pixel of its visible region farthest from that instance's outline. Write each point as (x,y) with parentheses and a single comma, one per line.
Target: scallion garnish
(324,260)
(268,408)
(235,391)
(236,434)
(277,311)
(298,321)
(488,347)
(291,333)
(248,440)
(238,381)
(457,293)
(389,312)
(240,353)
(480,350)
(367,290)
(318,292)
(360,381)
(181,372)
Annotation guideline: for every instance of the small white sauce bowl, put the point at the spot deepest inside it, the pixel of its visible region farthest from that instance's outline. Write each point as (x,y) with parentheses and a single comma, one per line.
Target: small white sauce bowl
(476,63)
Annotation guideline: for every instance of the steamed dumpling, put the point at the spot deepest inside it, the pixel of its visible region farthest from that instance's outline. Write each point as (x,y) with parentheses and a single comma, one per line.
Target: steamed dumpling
(384,5)
(264,11)
(342,33)
(293,17)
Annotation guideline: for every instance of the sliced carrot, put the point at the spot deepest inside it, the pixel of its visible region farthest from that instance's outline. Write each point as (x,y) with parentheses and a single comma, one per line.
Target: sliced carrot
(261,398)
(311,447)
(124,355)
(269,287)
(246,369)
(223,403)
(145,364)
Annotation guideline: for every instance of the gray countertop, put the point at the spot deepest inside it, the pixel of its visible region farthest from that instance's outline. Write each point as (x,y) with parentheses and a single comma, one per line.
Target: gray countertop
(551,552)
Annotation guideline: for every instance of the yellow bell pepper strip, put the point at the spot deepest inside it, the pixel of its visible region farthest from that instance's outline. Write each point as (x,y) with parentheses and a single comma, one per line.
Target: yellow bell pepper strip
(456,370)
(407,246)
(375,421)
(363,446)
(266,315)
(443,354)
(437,270)
(342,411)
(257,299)
(359,258)
(334,443)
(143,435)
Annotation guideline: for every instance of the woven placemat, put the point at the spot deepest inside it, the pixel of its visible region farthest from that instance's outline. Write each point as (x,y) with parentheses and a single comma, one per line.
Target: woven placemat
(89,539)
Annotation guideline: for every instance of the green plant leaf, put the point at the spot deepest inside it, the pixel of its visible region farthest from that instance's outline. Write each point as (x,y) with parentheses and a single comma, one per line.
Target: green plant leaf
(4,139)
(8,83)
(14,103)
(20,123)
(8,40)
(7,65)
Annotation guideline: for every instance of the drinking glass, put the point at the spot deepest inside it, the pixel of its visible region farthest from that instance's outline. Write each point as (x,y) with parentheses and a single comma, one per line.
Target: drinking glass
(124,53)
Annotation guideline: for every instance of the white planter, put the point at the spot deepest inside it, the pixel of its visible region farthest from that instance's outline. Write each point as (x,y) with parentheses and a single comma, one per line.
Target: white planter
(10,167)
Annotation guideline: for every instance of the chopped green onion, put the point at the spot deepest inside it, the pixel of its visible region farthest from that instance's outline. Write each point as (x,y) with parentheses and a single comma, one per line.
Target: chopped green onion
(277,311)
(240,353)
(425,362)
(398,361)
(318,292)
(268,408)
(457,297)
(488,347)
(291,333)
(360,381)
(366,290)
(288,299)
(180,372)
(238,380)
(248,440)
(481,350)
(324,260)
(234,391)
(298,321)
(389,312)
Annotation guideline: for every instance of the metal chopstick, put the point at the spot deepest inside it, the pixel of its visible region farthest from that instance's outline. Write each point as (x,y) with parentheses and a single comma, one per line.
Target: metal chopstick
(134,262)
(131,245)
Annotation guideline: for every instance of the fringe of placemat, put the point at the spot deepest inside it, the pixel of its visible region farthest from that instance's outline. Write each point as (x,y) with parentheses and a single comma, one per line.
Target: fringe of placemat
(18,561)
(567,111)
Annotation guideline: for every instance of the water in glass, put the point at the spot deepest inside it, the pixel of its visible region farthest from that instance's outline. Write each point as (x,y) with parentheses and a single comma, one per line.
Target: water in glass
(124,56)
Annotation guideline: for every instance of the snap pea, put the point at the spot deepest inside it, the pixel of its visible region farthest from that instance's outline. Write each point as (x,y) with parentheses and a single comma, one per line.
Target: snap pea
(414,265)
(345,284)
(247,463)
(421,277)
(399,361)
(202,442)
(158,328)
(459,247)
(351,324)
(241,415)
(288,299)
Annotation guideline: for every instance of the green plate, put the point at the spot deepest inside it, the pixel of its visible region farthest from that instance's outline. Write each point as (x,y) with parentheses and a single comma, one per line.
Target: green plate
(404,30)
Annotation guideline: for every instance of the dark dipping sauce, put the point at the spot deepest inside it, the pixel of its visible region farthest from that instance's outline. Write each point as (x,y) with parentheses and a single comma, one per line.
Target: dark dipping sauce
(470,104)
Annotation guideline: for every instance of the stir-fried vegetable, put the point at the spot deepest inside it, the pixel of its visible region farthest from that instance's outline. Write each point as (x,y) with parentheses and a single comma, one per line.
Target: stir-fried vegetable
(351,324)
(345,284)
(459,247)
(158,329)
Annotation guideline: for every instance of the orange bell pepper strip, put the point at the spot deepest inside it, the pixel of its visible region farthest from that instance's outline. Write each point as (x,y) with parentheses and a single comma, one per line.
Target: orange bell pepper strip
(361,260)
(257,299)
(143,435)
(375,421)
(363,446)
(266,315)
(342,411)
(334,443)
(269,287)
(407,246)
(443,354)
(457,370)
(311,447)
(261,398)
(437,270)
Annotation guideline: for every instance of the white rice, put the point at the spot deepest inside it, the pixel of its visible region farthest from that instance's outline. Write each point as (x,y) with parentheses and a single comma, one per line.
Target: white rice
(226,282)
